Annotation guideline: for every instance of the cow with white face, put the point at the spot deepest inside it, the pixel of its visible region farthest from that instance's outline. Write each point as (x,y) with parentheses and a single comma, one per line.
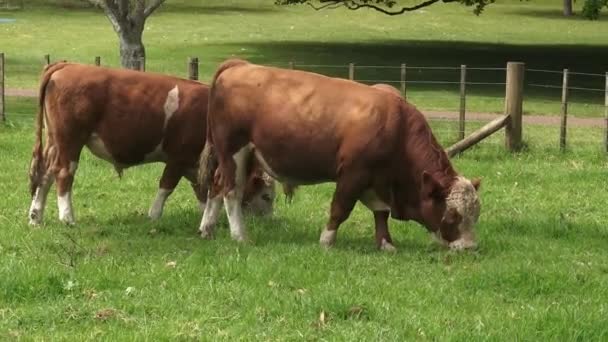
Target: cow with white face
(127,118)
(305,128)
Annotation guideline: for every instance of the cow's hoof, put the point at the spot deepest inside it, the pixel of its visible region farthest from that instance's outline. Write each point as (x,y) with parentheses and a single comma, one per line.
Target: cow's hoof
(240,238)
(328,238)
(387,247)
(206,233)
(68,221)
(154,215)
(35,218)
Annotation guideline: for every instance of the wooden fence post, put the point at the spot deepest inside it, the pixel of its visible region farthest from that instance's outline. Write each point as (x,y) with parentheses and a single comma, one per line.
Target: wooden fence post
(514,98)
(564,117)
(403,90)
(463,92)
(193,68)
(47,59)
(98,61)
(606,115)
(351,71)
(2,113)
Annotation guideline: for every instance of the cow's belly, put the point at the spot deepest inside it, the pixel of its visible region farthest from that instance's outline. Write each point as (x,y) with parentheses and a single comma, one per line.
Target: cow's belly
(126,157)
(296,168)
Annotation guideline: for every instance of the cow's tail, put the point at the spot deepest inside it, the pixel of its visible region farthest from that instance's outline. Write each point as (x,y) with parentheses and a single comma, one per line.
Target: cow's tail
(207,166)
(208,159)
(37,165)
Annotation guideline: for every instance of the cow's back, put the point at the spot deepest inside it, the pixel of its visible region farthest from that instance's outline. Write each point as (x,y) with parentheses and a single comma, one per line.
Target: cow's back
(286,112)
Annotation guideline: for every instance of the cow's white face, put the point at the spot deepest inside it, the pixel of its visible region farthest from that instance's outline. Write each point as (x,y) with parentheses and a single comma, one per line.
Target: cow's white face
(462,207)
(261,199)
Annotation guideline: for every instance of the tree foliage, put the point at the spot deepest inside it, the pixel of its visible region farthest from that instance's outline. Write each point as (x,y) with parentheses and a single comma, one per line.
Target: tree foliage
(388,7)
(591,8)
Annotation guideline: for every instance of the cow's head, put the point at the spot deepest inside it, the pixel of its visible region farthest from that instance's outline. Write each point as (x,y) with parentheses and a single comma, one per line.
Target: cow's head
(259,195)
(450,213)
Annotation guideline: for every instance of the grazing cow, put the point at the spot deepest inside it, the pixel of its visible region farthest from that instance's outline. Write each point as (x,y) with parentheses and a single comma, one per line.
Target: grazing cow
(307,128)
(127,118)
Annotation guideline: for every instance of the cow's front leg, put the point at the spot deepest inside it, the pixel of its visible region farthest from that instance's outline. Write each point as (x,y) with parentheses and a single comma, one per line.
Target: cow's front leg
(383,237)
(348,190)
(210,216)
(168,181)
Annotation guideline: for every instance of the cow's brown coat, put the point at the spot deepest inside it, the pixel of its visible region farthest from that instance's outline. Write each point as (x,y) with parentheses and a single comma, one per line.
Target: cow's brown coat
(308,128)
(127,118)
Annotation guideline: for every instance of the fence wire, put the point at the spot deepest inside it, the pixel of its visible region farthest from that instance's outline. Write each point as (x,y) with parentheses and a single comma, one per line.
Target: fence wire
(436,87)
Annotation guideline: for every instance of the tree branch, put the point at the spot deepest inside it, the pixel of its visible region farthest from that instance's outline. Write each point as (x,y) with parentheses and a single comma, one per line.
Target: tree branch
(330,4)
(383,6)
(355,6)
(111,11)
(152,7)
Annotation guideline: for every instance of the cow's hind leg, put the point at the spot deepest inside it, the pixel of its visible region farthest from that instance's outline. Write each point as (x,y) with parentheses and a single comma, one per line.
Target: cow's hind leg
(65,170)
(168,181)
(235,175)
(36,213)
(349,187)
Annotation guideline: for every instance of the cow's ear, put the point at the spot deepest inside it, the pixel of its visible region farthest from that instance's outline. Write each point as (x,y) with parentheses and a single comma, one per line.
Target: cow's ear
(430,186)
(476,183)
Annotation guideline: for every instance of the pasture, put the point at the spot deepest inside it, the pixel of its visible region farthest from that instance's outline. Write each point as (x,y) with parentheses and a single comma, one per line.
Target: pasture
(540,272)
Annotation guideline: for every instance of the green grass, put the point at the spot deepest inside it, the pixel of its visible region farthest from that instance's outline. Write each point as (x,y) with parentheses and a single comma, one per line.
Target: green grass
(441,35)
(540,272)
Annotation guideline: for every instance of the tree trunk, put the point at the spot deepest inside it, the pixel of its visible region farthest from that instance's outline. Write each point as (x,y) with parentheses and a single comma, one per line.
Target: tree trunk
(132,50)
(567,8)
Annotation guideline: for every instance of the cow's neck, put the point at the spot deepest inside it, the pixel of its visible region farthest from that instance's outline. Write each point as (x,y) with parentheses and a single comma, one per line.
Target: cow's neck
(421,152)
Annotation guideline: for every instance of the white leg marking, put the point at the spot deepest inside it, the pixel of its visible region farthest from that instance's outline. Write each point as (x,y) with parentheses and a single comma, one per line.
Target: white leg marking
(232,204)
(36,213)
(210,216)
(202,205)
(156,210)
(64,203)
(171,104)
(234,199)
(387,246)
(328,238)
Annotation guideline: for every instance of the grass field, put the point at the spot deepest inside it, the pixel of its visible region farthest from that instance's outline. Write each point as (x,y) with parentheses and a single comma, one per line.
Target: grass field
(442,35)
(539,274)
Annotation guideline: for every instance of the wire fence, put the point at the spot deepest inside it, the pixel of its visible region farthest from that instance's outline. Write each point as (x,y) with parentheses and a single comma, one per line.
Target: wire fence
(454,96)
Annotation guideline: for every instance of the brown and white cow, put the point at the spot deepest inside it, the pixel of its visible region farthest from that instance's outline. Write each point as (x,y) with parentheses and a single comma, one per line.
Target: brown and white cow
(306,128)
(127,118)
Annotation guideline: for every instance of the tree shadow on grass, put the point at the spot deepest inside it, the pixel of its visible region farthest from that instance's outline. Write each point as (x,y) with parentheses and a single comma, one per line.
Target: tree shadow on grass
(551,13)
